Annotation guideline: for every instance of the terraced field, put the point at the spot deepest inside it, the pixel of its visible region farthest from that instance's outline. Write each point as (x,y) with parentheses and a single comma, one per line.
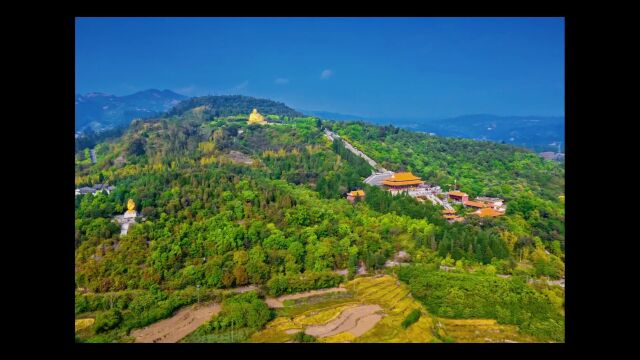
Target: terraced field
(372,310)
(481,331)
(372,314)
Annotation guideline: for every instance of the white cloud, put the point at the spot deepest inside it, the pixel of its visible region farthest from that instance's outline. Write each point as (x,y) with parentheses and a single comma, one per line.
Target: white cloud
(281,81)
(327,73)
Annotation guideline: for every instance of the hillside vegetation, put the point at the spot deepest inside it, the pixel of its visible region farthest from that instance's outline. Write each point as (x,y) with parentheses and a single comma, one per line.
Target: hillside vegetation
(208,217)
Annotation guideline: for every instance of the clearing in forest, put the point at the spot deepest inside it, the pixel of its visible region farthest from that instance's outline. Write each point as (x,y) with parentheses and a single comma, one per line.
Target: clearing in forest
(178,326)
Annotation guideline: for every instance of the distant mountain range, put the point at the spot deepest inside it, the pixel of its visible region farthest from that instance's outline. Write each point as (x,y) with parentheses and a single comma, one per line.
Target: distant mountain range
(539,133)
(98,111)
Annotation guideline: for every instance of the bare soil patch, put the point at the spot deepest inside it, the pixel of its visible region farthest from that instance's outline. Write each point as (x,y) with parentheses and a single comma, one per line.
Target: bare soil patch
(178,326)
(356,320)
(239,158)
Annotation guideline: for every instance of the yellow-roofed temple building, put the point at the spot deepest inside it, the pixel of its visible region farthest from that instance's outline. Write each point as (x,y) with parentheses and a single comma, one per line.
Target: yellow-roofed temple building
(402,181)
(356,194)
(487,212)
(256,118)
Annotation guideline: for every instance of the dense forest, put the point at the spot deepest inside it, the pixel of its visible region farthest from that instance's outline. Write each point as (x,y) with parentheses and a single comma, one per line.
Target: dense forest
(228,105)
(224,204)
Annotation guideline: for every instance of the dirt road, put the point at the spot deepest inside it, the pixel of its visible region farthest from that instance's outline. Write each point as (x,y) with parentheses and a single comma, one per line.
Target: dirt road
(244,289)
(178,326)
(356,320)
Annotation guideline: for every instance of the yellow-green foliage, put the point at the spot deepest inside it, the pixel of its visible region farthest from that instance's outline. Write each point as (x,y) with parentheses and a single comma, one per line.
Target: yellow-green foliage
(338,338)
(206,160)
(481,331)
(84,323)
(206,147)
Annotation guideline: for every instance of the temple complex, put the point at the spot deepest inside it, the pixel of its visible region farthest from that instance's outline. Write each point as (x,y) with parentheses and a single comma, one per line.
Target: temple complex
(256,118)
(95,189)
(402,181)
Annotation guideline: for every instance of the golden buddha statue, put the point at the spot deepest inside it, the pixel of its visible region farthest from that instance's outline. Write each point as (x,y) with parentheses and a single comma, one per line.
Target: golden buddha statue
(131,205)
(256,118)
(131,212)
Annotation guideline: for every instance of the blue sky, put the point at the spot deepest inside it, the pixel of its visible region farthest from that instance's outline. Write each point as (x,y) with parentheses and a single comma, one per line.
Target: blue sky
(378,67)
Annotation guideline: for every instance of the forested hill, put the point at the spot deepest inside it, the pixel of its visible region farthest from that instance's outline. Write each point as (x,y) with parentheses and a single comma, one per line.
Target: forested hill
(230,105)
(224,204)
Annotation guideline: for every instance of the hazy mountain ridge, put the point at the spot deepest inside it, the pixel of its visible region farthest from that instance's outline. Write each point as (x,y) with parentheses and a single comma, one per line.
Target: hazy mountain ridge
(538,133)
(535,132)
(102,111)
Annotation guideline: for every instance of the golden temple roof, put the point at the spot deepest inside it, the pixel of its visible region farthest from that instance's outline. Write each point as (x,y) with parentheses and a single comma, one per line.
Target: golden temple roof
(402,179)
(356,193)
(476,204)
(487,212)
(457,193)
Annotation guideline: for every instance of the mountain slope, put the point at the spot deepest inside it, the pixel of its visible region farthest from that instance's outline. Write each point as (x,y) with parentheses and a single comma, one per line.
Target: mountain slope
(210,219)
(98,111)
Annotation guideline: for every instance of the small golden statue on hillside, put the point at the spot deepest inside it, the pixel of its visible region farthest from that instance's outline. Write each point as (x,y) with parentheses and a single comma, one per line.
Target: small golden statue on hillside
(131,205)
(256,118)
